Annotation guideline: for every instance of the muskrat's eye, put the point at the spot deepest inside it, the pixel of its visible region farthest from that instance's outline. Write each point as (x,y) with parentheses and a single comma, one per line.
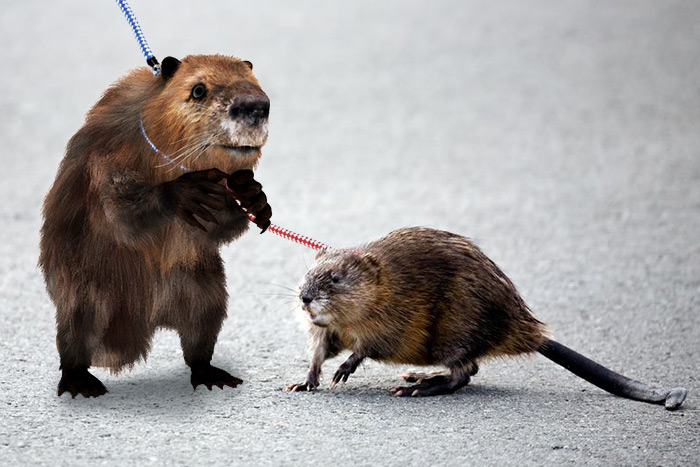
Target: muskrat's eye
(335,278)
(198,91)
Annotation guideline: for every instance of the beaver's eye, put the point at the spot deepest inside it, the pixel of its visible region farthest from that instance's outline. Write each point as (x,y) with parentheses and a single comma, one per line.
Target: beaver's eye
(335,278)
(198,91)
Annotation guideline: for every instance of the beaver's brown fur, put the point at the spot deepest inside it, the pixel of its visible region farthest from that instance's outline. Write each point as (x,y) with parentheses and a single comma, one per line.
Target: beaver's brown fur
(121,251)
(428,297)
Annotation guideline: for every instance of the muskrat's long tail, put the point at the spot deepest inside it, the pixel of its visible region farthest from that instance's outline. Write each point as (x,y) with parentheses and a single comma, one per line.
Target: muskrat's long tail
(608,380)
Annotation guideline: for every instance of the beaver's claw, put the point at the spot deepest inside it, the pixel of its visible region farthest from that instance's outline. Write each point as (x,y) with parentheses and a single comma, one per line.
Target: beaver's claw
(192,193)
(249,194)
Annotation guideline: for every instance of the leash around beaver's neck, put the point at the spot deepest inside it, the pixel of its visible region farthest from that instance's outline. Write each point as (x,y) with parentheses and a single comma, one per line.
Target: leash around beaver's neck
(168,161)
(155,66)
(275,229)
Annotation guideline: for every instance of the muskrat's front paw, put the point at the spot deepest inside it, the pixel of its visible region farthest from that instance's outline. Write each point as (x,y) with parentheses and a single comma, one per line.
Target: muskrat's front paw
(343,373)
(80,381)
(249,194)
(192,193)
(301,387)
(212,376)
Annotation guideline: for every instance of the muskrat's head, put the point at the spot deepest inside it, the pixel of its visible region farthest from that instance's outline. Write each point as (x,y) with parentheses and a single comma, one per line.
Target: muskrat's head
(209,111)
(339,287)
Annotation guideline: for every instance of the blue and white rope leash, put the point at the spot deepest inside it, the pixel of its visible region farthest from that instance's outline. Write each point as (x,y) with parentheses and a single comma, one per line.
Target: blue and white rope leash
(167,160)
(151,60)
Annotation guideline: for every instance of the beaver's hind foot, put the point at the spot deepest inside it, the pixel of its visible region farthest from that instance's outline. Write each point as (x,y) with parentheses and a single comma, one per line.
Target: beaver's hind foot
(80,381)
(212,376)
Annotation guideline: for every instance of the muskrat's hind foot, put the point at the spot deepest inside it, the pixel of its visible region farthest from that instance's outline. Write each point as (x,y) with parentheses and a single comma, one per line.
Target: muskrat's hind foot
(444,375)
(433,377)
(434,384)
(80,381)
(212,376)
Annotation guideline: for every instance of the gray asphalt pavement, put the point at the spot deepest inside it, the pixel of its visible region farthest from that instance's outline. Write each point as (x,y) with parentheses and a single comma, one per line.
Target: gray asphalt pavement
(564,137)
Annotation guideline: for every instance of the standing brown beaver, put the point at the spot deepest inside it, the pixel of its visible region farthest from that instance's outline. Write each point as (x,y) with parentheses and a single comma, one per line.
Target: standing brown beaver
(428,297)
(121,250)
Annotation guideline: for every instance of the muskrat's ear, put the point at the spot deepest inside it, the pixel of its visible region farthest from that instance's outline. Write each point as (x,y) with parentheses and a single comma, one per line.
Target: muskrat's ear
(371,264)
(322,252)
(250,64)
(169,67)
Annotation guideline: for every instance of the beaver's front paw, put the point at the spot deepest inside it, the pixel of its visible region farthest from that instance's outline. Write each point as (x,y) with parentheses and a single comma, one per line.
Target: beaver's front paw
(192,193)
(249,194)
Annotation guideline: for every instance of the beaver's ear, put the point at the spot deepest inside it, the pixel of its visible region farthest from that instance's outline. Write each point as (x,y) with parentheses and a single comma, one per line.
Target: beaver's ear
(169,67)
(249,64)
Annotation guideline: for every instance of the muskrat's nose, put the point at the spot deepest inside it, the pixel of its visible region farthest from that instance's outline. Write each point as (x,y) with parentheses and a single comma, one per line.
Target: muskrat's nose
(307,299)
(251,108)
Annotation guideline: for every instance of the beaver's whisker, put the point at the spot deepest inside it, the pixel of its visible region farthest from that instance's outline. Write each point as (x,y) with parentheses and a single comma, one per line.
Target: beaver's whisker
(199,149)
(181,155)
(177,155)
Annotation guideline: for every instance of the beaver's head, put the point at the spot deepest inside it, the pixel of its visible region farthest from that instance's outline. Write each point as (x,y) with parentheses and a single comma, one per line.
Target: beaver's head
(208,111)
(339,288)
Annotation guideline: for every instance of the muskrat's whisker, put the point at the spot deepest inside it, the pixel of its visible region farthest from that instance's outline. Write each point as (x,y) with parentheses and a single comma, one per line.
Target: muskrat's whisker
(275,295)
(291,289)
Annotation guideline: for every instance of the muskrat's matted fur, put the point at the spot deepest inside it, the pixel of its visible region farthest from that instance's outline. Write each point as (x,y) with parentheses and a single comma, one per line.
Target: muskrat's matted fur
(423,296)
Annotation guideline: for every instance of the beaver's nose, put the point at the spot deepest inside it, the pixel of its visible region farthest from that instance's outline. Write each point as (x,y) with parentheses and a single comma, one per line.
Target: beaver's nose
(253,109)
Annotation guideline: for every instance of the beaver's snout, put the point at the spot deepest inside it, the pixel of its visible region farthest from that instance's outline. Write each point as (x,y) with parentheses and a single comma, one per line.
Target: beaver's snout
(252,109)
